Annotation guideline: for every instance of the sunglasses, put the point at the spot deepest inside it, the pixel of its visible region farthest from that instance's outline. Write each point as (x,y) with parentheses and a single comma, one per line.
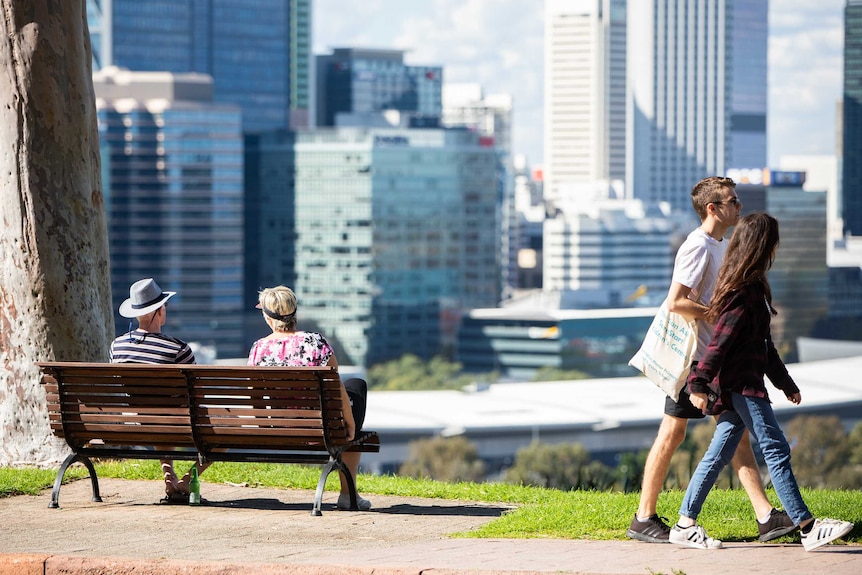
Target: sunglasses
(731,201)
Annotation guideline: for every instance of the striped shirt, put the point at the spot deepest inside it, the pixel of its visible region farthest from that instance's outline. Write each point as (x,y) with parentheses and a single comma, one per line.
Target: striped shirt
(140,346)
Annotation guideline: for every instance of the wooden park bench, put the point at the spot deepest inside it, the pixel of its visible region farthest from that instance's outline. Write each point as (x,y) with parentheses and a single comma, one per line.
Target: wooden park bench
(205,412)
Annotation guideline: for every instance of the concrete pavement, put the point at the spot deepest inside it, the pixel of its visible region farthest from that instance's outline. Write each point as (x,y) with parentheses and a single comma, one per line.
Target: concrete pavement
(244,531)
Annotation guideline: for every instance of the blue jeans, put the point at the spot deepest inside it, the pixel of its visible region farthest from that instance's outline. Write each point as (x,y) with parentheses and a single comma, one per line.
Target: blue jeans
(756,415)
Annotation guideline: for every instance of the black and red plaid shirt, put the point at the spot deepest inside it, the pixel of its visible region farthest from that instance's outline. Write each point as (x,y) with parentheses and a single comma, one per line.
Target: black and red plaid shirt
(741,352)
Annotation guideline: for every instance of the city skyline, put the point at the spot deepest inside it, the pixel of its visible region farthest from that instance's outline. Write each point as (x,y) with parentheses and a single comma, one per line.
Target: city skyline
(499,43)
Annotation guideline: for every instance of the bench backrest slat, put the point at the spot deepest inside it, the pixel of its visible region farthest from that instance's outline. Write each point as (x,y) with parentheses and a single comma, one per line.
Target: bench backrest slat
(209,407)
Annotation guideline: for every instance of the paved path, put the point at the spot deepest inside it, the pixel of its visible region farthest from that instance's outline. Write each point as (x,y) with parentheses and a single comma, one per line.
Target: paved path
(246,531)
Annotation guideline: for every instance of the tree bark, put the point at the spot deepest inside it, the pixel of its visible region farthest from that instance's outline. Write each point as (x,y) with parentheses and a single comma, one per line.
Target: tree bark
(55,294)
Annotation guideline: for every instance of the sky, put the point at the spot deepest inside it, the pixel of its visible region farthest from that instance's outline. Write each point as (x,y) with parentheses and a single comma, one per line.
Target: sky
(499,44)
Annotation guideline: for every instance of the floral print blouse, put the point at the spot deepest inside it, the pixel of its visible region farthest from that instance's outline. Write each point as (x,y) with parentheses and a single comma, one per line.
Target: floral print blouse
(301,348)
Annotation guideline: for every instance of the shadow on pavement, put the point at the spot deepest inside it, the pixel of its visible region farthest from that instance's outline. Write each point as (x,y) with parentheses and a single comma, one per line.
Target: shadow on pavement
(460,510)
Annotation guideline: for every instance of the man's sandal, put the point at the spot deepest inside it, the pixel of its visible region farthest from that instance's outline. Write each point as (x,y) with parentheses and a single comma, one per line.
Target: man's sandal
(175,498)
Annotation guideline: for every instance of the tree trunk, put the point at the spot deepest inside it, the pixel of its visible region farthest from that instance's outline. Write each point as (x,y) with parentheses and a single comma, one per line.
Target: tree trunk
(55,294)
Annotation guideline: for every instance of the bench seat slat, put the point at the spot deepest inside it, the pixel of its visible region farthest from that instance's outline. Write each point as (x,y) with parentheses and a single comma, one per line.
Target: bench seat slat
(134,418)
(136,439)
(211,411)
(123,403)
(202,394)
(274,438)
(133,390)
(120,427)
(255,402)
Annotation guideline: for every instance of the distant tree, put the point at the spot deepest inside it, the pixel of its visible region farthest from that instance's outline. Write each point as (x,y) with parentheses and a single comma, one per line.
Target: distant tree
(549,373)
(409,372)
(820,450)
(560,466)
(443,459)
(630,470)
(854,441)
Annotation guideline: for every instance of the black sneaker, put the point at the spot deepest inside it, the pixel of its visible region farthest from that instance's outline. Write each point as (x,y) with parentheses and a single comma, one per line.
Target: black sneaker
(653,530)
(779,524)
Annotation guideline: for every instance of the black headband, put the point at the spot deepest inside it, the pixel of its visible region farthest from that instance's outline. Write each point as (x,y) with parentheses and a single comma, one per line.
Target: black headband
(277,316)
(159,298)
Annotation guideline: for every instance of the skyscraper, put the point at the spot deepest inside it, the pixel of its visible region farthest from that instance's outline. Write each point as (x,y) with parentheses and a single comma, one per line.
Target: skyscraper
(172,175)
(851,191)
(609,253)
(395,237)
(585,108)
(466,106)
(367,81)
(257,52)
(697,84)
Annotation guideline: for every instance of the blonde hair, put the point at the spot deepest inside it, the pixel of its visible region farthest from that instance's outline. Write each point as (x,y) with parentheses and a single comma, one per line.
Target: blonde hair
(279,304)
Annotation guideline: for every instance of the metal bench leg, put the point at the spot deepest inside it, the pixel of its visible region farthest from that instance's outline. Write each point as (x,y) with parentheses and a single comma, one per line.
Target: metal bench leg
(58,482)
(321,483)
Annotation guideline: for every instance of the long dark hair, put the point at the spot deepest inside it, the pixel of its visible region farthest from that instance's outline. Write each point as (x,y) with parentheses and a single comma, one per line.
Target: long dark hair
(749,256)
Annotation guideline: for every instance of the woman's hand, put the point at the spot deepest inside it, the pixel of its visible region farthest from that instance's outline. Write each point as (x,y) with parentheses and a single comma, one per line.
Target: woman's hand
(795,398)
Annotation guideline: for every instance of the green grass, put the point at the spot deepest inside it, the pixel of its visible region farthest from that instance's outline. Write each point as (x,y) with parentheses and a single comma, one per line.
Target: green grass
(537,512)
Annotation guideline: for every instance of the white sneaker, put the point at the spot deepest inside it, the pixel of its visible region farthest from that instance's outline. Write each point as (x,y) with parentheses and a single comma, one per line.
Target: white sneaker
(824,531)
(694,537)
(344,502)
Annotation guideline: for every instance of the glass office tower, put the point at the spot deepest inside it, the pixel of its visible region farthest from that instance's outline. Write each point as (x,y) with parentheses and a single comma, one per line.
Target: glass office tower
(258,53)
(851,194)
(396,235)
(172,174)
(365,81)
(697,83)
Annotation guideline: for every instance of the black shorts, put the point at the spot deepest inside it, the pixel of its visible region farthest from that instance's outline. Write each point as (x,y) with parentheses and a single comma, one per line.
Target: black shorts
(682,408)
(357,391)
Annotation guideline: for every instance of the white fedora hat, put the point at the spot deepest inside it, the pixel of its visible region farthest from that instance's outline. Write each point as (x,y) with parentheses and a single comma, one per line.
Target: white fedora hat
(145,296)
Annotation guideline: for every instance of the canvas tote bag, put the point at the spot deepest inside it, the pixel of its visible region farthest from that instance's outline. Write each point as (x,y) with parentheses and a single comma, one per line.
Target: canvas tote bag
(668,350)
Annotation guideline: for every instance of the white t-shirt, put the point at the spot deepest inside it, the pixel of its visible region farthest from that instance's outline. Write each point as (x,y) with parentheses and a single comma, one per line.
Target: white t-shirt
(696,267)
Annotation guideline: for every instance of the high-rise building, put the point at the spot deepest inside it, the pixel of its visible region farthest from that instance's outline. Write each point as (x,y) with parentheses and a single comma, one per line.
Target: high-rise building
(851,192)
(585,96)
(269,216)
(395,237)
(526,239)
(697,85)
(612,255)
(258,53)
(368,82)
(799,278)
(172,175)
(490,116)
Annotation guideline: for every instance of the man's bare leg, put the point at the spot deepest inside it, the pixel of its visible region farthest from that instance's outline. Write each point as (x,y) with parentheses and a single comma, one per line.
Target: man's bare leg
(646,526)
(183,484)
(169,475)
(671,434)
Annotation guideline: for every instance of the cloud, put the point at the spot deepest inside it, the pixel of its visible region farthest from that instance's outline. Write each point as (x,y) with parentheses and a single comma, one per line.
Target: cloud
(496,43)
(500,43)
(805,75)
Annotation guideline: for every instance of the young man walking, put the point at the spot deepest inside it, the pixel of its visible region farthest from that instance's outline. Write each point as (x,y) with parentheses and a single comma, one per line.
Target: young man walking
(694,276)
